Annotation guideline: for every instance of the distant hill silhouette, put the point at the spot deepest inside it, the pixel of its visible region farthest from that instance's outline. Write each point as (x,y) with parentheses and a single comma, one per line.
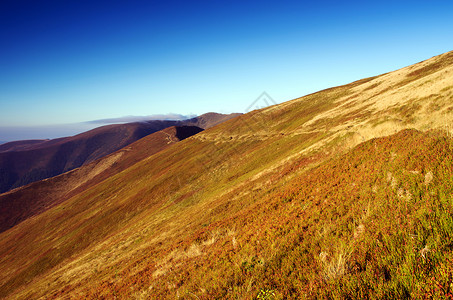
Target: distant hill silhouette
(20,145)
(22,203)
(23,162)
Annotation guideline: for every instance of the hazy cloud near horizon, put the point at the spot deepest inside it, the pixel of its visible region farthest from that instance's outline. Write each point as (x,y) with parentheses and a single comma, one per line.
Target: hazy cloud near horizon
(128,119)
(16,133)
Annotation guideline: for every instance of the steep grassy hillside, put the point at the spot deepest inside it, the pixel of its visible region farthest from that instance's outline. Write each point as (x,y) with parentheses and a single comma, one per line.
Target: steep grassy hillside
(376,222)
(272,203)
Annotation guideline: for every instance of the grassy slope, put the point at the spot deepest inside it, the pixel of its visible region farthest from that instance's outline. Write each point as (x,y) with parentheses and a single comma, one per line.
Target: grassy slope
(373,223)
(22,203)
(222,212)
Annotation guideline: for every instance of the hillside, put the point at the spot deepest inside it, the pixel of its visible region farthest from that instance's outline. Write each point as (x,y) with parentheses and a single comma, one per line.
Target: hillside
(373,223)
(23,162)
(22,203)
(19,145)
(300,199)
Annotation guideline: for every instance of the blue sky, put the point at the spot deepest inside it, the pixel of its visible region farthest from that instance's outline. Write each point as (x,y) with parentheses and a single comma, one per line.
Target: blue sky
(65,63)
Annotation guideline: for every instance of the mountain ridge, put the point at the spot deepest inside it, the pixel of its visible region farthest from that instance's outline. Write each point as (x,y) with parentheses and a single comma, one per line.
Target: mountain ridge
(22,203)
(23,162)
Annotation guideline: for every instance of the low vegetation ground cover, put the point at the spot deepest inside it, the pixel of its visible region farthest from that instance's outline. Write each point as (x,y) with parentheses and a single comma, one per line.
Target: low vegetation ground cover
(374,223)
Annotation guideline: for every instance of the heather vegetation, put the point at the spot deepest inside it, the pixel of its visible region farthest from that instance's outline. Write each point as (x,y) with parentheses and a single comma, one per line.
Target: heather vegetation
(374,223)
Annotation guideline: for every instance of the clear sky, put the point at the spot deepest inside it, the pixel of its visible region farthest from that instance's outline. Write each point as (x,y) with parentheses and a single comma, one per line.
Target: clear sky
(63,63)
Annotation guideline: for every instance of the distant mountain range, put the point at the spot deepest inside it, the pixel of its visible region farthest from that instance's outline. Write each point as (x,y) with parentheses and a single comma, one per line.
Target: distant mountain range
(22,203)
(23,162)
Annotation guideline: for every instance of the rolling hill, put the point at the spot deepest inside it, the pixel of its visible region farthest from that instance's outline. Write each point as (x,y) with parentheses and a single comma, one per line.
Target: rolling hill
(22,203)
(344,193)
(19,145)
(23,162)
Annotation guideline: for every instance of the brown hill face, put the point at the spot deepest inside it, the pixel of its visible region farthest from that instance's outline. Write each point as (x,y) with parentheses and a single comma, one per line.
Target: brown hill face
(22,203)
(279,202)
(24,162)
(209,120)
(19,145)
